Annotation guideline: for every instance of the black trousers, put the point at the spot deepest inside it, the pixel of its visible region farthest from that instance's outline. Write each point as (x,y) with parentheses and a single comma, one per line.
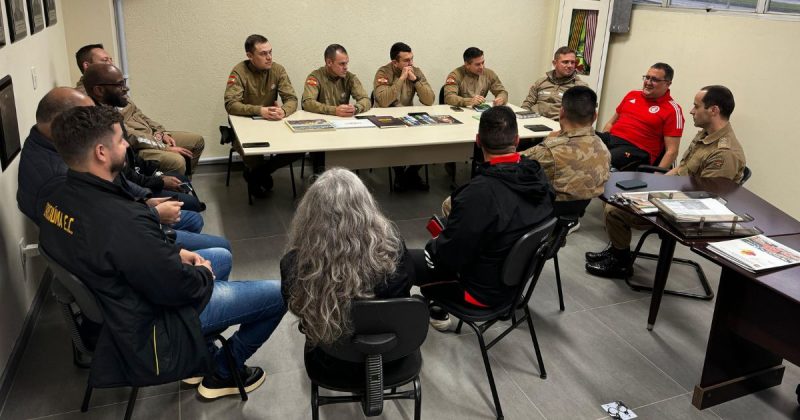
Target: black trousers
(624,155)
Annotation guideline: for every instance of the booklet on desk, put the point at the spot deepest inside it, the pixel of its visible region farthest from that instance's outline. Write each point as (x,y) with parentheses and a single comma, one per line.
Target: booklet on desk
(354,123)
(756,253)
(527,114)
(386,121)
(695,210)
(445,119)
(300,126)
(640,201)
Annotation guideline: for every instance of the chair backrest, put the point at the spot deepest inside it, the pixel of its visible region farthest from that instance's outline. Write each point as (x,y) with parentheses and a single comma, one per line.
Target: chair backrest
(393,328)
(67,285)
(226,135)
(747,174)
(527,254)
(441,95)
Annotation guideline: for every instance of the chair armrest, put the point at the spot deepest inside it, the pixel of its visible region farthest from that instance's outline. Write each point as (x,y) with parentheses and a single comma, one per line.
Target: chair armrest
(651,169)
(375,343)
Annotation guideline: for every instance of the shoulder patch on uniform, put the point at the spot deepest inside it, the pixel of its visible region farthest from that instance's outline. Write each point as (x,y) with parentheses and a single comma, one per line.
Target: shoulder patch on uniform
(312,81)
(715,164)
(723,143)
(451,80)
(231,79)
(382,81)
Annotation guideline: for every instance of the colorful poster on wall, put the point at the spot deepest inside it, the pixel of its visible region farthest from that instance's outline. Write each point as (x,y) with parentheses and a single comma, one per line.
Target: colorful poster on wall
(36,16)
(583,29)
(15,12)
(50,12)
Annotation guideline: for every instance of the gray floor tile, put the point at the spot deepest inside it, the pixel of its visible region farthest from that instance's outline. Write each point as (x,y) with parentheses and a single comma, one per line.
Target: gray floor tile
(678,341)
(258,258)
(776,403)
(160,406)
(587,365)
(678,408)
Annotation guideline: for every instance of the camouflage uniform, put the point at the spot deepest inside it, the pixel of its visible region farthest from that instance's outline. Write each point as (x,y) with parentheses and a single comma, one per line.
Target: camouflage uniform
(389,90)
(576,162)
(546,93)
(248,89)
(461,85)
(323,92)
(141,132)
(715,155)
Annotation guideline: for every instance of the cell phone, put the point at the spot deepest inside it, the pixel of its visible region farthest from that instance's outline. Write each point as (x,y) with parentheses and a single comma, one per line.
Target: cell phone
(456,108)
(414,114)
(538,127)
(185,187)
(631,184)
(257,117)
(258,144)
(363,117)
(435,226)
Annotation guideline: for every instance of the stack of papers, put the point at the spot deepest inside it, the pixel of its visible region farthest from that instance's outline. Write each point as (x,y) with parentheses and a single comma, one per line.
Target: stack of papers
(353,123)
(685,210)
(756,253)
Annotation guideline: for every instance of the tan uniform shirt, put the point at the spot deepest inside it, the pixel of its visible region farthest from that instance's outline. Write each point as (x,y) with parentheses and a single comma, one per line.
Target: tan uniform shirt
(249,89)
(460,86)
(546,93)
(324,92)
(140,129)
(389,90)
(576,162)
(714,155)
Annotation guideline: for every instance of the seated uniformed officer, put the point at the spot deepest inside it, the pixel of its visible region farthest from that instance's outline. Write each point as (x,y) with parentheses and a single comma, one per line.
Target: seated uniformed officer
(328,90)
(395,85)
(155,314)
(546,93)
(252,90)
(574,159)
(150,139)
(469,84)
(714,152)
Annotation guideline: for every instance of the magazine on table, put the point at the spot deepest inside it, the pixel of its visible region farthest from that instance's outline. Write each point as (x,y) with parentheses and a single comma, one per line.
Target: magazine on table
(354,123)
(386,121)
(445,119)
(299,126)
(756,253)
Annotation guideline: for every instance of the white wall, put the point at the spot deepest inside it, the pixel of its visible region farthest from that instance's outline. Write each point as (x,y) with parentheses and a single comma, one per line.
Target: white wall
(47,52)
(755,57)
(182,51)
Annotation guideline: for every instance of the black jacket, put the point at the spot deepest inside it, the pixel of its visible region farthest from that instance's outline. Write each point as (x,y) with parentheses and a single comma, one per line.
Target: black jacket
(489,214)
(42,171)
(151,334)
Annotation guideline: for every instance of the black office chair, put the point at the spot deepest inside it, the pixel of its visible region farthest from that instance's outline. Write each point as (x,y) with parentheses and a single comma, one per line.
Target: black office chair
(227,136)
(382,353)
(568,214)
(75,298)
(708,293)
(521,270)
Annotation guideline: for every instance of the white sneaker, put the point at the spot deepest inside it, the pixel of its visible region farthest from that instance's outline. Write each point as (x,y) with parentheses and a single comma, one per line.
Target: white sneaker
(193,381)
(441,324)
(574,228)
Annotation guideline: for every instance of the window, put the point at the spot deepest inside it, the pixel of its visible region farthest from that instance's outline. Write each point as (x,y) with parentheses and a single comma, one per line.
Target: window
(747,6)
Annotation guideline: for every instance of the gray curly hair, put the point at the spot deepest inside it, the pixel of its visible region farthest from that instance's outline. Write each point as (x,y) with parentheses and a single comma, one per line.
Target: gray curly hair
(344,246)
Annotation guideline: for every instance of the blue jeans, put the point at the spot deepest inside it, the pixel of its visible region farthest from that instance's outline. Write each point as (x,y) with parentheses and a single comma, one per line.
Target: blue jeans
(255,305)
(221,261)
(191,221)
(194,241)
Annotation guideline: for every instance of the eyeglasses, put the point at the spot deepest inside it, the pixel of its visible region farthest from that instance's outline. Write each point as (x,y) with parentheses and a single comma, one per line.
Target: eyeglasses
(122,84)
(653,79)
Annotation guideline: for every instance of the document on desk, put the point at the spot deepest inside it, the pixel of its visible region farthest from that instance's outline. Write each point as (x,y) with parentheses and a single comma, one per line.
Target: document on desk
(640,201)
(756,253)
(694,209)
(343,124)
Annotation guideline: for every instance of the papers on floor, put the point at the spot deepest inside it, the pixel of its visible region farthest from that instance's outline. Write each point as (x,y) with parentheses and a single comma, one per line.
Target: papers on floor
(618,410)
(756,253)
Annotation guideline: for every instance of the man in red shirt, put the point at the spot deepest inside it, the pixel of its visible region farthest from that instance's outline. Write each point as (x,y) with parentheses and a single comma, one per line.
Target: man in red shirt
(647,124)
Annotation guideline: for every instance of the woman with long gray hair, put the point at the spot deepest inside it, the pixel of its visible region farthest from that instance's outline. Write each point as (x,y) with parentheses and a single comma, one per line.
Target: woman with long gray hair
(341,247)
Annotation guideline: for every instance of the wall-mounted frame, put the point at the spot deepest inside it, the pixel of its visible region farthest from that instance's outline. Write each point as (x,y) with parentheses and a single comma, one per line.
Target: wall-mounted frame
(15,12)
(50,12)
(9,130)
(36,16)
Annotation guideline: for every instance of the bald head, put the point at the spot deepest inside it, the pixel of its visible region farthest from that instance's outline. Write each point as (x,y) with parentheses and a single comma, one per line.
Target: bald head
(105,84)
(56,102)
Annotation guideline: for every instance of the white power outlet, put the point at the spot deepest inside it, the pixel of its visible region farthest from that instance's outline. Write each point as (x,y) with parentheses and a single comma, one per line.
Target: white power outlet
(34,77)
(25,251)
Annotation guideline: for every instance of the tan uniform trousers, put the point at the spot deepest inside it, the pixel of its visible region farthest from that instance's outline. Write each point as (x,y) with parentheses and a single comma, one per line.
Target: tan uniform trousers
(618,226)
(175,162)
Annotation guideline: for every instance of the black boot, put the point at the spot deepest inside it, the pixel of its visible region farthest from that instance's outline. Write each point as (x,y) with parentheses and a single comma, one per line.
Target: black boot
(617,265)
(598,256)
(254,187)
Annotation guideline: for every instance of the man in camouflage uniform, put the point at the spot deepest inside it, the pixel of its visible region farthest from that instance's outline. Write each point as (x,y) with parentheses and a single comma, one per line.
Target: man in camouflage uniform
(469,84)
(714,152)
(395,85)
(252,90)
(574,159)
(546,93)
(328,90)
(149,138)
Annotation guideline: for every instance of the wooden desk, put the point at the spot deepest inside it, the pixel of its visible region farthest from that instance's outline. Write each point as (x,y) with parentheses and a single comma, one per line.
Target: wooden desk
(358,148)
(771,220)
(755,327)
